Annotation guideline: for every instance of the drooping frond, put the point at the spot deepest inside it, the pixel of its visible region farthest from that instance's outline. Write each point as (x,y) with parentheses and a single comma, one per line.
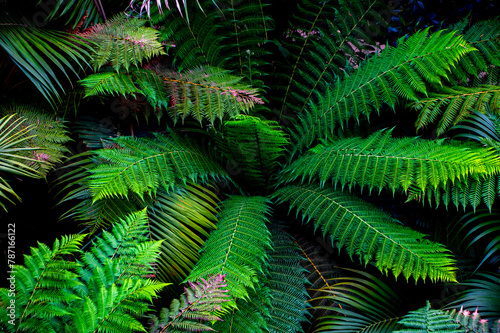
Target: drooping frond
(483,36)
(207,93)
(95,133)
(449,106)
(39,52)
(255,145)
(367,305)
(200,302)
(398,73)
(286,281)
(238,247)
(325,41)
(371,234)
(123,43)
(44,283)
(143,165)
(429,320)
(47,135)
(383,162)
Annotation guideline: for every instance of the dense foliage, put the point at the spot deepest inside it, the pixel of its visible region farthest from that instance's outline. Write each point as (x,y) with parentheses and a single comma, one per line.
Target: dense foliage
(241,145)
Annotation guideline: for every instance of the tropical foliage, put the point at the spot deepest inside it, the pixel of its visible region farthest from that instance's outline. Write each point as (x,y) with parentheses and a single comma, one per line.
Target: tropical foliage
(243,147)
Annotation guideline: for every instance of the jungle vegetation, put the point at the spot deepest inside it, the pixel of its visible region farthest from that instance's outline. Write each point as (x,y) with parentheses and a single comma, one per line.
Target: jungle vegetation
(308,166)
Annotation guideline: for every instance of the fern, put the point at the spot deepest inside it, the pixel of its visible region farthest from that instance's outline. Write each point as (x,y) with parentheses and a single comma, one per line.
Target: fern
(367,305)
(397,164)
(397,73)
(330,38)
(373,235)
(201,302)
(451,105)
(429,320)
(286,281)
(238,247)
(142,165)
(123,43)
(255,145)
(44,283)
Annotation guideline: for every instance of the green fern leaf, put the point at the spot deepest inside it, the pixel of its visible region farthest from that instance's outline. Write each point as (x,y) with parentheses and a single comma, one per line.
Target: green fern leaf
(369,233)
(142,165)
(123,42)
(320,52)
(397,73)
(367,304)
(397,164)
(286,281)
(430,321)
(238,247)
(450,105)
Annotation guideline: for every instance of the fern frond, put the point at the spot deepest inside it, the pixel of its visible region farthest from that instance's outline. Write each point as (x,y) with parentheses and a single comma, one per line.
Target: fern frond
(200,302)
(238,247)
(247,316)
(370,233)
(143,165)
(367,305)
(255,145)
(330,38)
(397,73)
(429,320)
(383,162)
(286,281)
(47,135)
(207,93)
(451,105)
(123,43)
(44,283)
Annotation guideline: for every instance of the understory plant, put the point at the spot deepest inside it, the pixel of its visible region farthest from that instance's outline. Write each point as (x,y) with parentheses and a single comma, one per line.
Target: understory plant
(263,133)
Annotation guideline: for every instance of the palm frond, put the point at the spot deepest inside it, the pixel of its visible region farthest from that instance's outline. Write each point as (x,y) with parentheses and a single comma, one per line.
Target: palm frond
(123,43)
(482,293)
(143,165)
(367,305)
(370,233)
(451,105)
(201,301)
(37,52)
(323,43)
(286,281)
(383,162)
(399,73)
(255,145)
(238,247)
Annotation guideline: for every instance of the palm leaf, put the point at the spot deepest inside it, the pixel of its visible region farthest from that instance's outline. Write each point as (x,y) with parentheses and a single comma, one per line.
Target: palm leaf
(238,247)
(38,51)
(367,305)
(395,164)
(370,233)
(397,73)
